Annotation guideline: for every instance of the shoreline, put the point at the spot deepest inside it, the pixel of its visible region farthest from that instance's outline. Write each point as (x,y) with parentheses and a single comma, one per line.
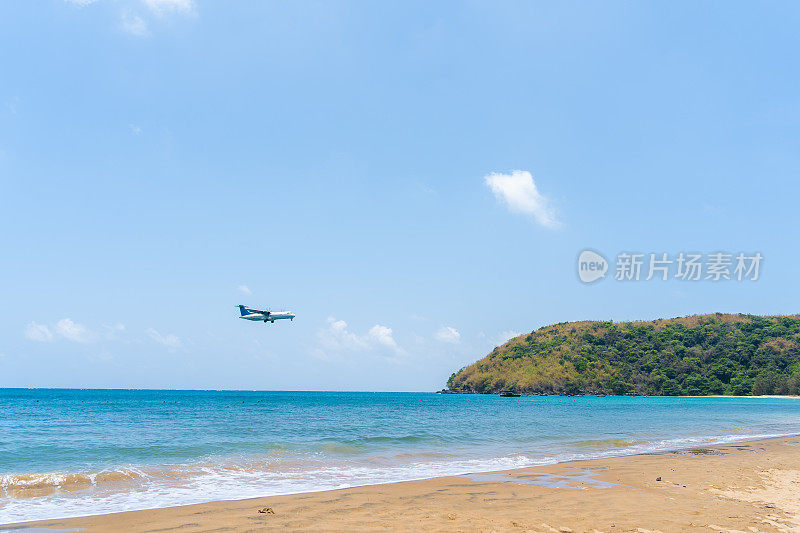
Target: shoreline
(528,395)
(763,469)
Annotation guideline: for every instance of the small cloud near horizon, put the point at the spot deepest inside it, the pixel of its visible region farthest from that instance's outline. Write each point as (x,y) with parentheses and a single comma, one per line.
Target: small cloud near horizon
(448,334)
(337,337)
(38,332)
(506,336)
(73,331)
(65,328)
(518,192)
(111,331)
(169,340)
(244,289)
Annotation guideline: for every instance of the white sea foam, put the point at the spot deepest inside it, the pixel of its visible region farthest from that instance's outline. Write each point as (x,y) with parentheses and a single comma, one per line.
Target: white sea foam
(169,485)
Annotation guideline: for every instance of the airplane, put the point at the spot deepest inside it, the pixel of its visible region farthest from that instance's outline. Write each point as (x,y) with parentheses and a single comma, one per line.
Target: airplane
(266,316)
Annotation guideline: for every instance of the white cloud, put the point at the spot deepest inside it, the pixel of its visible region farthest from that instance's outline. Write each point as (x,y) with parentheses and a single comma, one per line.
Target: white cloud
(382,336)
(38,332)
(519,193)
(244,289)
(12,104)
(448,334)
(337,337)
(111,331)
(160,7)
(506,336)
(169,340)
(137,26)
(73,331)
(136,130)
(65,328)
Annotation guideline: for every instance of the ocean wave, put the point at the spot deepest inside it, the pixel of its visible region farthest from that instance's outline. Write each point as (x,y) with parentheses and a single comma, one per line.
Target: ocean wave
(45,484)
(388,441)
(614,443)
(61,495)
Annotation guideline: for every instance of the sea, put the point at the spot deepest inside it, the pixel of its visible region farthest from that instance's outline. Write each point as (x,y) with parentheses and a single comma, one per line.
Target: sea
(67,453)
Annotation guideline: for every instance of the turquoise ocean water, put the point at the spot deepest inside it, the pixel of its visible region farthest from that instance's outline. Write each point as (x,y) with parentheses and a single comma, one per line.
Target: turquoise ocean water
(77,452)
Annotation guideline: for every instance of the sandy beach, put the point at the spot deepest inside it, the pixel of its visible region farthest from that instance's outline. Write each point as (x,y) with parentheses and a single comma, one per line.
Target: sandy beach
(355,266)
(744,487)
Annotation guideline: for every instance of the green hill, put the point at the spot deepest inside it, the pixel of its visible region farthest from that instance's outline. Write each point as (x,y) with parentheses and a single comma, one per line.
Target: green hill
(696,355)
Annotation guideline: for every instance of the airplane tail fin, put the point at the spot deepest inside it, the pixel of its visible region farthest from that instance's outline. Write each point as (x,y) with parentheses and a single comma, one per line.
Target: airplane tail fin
(243,310)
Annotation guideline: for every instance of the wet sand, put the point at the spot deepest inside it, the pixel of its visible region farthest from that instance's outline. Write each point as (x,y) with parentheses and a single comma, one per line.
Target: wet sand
(746,487)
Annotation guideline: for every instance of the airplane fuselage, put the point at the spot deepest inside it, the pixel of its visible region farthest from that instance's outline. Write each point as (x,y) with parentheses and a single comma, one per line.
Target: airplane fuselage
(269,317)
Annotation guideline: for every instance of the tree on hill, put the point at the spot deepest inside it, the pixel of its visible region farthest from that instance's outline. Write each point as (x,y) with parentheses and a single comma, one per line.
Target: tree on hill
(697,355)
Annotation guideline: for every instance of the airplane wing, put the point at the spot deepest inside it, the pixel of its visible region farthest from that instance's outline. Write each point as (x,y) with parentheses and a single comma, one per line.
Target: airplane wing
(258,311)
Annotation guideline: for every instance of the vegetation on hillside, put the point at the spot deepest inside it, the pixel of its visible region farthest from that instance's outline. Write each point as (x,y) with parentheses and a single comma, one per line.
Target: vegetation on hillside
(696,355)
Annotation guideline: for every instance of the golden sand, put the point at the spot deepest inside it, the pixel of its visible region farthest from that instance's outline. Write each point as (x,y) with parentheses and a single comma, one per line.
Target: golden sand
(746,487)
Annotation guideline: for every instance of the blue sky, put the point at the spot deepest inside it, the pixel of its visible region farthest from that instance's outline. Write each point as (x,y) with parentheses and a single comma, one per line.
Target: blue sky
(164,160)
